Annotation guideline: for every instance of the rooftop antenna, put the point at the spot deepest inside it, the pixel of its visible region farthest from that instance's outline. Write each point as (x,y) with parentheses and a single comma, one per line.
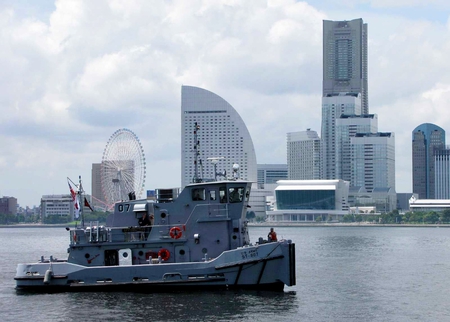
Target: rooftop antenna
(214,161)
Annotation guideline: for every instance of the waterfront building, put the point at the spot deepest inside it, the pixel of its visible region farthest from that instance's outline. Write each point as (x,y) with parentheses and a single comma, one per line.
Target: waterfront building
(426,138)
(381,200)
(309,201)
(345,64)
(359,197)
(403,200)
(259,198)
(442,173)
(304,155)
(427,205)
(8,205)
(57,205)
(269,174)
(222,134)
(333,106)
(384,199)
(347,126)
(379,149)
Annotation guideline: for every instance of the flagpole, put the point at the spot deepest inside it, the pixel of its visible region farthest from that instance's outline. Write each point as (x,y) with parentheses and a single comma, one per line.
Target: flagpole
(80,194)
(79,200)
(68,179)
(75,198)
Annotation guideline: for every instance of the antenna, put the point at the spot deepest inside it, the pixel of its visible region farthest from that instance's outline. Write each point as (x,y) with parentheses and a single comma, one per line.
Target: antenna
(235,171)
(197,179)
(80,199)
(214,161)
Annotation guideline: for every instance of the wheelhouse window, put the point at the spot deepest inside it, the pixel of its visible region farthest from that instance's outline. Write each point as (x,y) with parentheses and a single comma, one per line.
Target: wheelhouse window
(198,194)
(212,195)
(247,195)
(223,194)
(236,194)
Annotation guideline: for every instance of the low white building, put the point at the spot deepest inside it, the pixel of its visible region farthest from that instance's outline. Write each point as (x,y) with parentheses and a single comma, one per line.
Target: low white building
(307,200)
(258,199)
(428,204)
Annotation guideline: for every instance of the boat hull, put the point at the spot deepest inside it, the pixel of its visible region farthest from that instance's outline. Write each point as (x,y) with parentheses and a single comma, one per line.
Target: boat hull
(267,266)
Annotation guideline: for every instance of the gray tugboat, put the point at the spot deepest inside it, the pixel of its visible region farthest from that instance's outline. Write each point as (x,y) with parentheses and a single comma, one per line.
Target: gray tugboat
(196,238)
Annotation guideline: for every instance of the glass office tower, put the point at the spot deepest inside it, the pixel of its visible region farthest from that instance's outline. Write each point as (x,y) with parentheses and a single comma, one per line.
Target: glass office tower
(426,138)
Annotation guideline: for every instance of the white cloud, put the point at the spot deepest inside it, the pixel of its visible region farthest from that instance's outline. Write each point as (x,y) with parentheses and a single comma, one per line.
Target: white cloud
(73,76)
(408,3)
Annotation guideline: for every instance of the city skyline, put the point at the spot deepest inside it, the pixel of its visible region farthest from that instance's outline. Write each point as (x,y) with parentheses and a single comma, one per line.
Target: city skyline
(66,88)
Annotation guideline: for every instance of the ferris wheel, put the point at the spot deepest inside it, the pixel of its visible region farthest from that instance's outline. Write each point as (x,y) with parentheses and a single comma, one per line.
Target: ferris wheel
(123,167)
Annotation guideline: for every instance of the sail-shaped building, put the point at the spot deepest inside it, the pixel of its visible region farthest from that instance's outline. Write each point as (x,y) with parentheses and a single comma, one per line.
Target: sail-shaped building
(222,136)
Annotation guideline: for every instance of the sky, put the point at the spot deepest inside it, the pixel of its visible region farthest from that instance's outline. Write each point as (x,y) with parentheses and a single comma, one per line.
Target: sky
(75,71)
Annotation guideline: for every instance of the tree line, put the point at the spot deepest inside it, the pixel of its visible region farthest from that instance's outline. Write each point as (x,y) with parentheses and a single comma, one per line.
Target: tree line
(394,217)
(8,219)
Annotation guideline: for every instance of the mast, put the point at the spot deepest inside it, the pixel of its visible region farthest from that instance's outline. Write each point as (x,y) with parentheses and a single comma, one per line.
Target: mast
(77,199)
(197,161)
(80,200)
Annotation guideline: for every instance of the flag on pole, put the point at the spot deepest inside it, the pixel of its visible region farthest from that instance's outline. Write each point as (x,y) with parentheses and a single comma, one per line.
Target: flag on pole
(86,204)
(75,201)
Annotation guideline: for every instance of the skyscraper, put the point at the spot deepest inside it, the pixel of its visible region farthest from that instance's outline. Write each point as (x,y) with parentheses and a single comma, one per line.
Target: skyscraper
(333,106)
(222,134)
(98,200)
(304,155)
(347,126)
(345,59)
(426,138)
(442,173)
(373,160)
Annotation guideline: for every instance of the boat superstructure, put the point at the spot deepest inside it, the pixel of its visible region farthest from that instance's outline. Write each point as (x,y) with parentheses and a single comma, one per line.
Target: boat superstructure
(197,238)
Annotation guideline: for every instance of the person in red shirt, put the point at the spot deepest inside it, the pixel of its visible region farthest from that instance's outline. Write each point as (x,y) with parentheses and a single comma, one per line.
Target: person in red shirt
(272,235)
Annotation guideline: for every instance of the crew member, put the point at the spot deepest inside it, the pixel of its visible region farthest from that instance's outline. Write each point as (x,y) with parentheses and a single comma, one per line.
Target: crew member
(146,221)
(272,237)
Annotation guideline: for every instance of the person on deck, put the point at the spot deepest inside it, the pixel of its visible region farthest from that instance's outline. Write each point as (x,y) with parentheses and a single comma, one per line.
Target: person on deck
(272,237)
(146,221)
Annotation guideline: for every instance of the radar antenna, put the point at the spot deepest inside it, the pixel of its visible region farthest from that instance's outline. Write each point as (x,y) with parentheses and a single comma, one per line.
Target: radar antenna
(214,161)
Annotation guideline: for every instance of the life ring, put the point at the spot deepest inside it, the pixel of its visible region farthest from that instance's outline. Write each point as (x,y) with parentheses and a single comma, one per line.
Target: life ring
(175,232)
(164,254)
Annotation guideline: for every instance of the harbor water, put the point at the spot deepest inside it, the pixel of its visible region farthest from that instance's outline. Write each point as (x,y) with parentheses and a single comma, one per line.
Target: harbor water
(343,274)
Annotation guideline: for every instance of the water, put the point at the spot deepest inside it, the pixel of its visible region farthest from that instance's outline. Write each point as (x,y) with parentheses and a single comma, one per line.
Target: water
(343,274)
